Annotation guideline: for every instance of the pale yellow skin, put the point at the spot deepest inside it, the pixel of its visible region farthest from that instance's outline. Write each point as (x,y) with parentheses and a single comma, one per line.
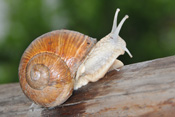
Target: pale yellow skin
(116,65)
(102,57)
(99,61)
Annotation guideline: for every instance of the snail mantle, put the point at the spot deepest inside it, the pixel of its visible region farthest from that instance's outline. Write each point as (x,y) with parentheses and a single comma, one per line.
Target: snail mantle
(145,89)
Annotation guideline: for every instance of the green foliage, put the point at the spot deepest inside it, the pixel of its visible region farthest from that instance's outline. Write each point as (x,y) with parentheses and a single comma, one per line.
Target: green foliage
(149,32)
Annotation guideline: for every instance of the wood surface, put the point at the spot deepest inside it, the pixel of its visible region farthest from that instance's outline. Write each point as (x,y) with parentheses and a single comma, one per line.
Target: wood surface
(145,89)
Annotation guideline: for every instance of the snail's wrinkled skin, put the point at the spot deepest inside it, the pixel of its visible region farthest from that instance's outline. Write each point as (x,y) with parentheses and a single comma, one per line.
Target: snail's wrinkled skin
(102,57)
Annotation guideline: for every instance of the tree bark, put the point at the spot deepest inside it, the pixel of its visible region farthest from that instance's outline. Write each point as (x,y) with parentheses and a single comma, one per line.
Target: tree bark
(145,89)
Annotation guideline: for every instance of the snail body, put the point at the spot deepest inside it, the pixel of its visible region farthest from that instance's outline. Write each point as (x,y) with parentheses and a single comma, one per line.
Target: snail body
(59,61)
(102,57)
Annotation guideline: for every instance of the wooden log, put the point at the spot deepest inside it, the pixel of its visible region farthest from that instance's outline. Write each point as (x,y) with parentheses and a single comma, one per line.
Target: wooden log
(145,89)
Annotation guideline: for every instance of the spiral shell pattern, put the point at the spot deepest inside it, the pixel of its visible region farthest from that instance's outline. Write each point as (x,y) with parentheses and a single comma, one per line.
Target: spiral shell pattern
(49,64)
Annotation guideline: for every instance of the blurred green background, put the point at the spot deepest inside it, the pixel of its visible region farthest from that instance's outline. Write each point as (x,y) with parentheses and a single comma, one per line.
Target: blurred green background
(149,32)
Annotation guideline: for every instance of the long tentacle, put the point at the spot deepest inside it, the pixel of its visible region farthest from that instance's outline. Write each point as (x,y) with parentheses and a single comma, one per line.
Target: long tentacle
(115,21)
(116,33)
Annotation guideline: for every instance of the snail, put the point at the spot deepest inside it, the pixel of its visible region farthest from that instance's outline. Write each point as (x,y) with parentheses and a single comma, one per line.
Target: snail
(61,61)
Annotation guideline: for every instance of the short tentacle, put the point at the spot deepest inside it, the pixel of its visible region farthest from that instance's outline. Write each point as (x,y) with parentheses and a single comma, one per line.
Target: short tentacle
(128,52)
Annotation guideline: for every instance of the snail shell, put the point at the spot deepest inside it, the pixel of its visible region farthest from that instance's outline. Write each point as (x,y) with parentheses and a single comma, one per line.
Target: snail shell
(48,66)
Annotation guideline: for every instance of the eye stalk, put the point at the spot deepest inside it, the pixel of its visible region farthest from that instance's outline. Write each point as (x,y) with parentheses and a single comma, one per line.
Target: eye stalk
(115,21)
(116,29)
